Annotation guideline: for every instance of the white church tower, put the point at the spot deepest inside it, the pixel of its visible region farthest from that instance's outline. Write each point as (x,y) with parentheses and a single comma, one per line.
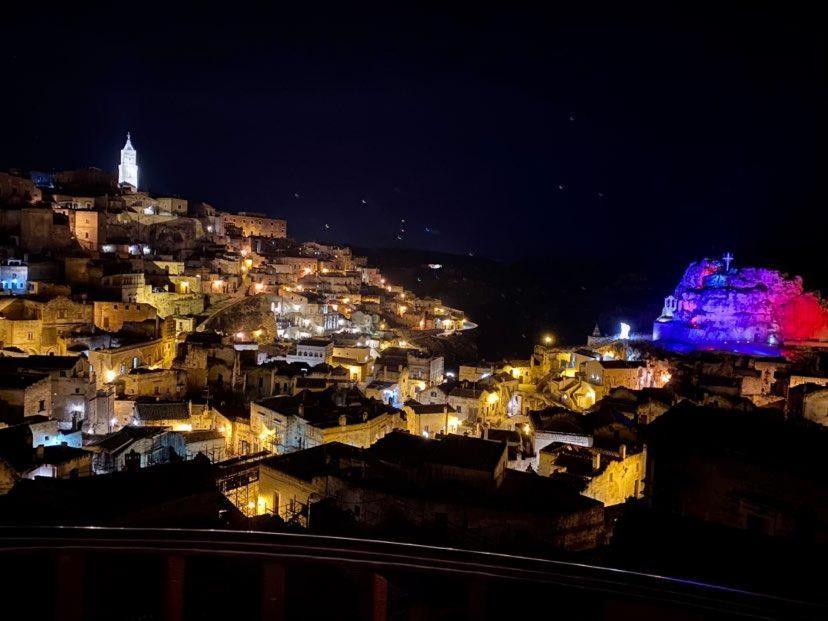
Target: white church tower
(128,169)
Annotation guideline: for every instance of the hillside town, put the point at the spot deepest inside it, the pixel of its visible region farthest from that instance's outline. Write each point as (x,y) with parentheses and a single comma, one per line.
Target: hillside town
(164,361)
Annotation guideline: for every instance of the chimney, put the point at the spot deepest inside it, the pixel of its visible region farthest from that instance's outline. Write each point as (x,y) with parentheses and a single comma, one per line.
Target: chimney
(40,452)
(596,461)
(622,451)
(343,420)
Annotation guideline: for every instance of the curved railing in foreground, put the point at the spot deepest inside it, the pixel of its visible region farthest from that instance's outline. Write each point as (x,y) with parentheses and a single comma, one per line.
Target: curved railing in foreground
(384,579)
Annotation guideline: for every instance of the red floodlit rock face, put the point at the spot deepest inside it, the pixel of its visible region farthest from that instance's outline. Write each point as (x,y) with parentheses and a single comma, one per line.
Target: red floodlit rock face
(745,305)
(803,318)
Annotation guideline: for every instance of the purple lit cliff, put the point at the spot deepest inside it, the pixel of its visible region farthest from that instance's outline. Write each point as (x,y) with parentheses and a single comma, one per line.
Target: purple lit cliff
(718,306)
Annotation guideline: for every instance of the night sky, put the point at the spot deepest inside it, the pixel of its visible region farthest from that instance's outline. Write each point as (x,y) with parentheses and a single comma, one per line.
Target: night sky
(508,133)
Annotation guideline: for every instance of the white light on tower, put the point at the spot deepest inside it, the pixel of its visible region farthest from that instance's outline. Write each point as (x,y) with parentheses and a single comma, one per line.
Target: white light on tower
(128,169)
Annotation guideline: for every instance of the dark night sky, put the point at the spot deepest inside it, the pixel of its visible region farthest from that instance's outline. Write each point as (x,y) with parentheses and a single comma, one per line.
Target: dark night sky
(507,132)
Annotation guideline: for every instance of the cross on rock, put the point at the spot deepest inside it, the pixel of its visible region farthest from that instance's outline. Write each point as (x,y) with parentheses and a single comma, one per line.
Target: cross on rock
(728,259)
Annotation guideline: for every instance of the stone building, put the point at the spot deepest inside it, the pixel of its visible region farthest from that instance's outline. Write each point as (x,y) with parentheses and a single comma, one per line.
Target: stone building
(110,363)
(72,384)
(313,352)
(604,375)
(558,425)
(23,395)
(160,383)
(609,476)
(470,401)
(60,315)
(60,462)
(255,224)
(289,423)
(111,316)
(20,325)
(431,420)
(455,490)
(136,447)
(209,442)
(88,227)
(172,205)
(21,457)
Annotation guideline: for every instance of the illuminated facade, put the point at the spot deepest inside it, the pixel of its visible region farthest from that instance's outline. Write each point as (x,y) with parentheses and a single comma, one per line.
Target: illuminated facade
(128,168)
(749,309)
(256,224)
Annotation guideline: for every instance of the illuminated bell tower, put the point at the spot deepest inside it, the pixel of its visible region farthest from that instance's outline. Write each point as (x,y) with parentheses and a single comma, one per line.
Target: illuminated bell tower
(128,169)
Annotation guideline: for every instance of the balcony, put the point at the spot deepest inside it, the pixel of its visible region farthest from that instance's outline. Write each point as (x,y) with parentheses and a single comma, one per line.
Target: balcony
(78,573)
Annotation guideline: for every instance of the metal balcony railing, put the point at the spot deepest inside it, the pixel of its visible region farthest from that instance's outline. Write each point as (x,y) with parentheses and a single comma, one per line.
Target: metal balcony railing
(76,573)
